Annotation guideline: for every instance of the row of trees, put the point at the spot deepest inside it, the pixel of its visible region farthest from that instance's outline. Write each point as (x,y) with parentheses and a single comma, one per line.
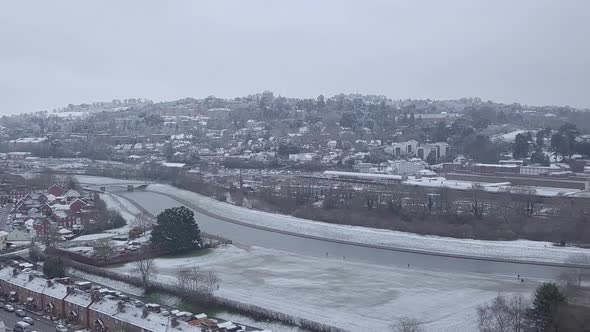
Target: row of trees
(563,144)
(548,311)
(511,212)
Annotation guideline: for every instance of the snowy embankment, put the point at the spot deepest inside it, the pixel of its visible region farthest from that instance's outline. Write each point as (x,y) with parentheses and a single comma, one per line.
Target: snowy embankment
(127,210)
(519,250)
(351,295)
(104,181)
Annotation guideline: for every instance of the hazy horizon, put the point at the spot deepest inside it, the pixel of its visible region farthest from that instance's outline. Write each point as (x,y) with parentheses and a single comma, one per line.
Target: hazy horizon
(528,52)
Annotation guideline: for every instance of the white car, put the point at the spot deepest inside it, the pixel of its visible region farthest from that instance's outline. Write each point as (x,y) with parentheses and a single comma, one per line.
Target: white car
(9,308)
(61,328)
(29,320)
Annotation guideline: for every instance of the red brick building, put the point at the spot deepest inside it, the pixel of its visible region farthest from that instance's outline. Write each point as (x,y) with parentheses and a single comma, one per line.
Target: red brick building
(53,298)
(55,190)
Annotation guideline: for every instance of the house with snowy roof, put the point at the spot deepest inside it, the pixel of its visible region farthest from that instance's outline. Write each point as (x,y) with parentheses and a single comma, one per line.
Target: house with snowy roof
(71,195)
(55,190)
(52,298)
(76,307)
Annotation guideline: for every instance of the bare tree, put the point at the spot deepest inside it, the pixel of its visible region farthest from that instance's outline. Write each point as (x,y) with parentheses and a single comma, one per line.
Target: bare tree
(503,314)
(52,235)
(477,203)
(146,268)
(142,222)
(196,283)
(572,278)
(104,249)
(447,204)
(503,208)
(525,200)
(35,252)
(407,324)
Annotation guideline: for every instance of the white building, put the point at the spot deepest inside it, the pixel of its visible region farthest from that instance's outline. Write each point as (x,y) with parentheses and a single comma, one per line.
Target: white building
(421,150)
(405,167)
(362,167)
(439,149)
(539,170)
(302,156)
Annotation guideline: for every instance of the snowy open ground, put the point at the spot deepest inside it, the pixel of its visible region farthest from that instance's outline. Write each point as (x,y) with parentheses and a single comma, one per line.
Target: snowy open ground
(104,181)
(519,250)
(127,210)
(351,295)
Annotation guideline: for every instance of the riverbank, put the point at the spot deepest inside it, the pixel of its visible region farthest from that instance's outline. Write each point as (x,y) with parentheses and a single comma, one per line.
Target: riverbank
(518,250)
(350,295)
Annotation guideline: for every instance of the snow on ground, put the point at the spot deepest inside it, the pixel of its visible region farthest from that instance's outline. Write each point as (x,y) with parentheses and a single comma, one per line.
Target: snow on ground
(354,296)
(104,181)
(520,250)
(92,237)
(511,136)
(438,182)
(127,210)
(113,284)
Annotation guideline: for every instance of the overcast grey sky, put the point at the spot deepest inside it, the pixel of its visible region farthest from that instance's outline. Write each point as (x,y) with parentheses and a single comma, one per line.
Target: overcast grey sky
(57,52)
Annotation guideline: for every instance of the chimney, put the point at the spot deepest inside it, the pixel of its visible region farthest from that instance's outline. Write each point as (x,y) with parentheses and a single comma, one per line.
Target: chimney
(31,277)
(95,296)
(174,321)
(144,312)
(120,306)
(49,282)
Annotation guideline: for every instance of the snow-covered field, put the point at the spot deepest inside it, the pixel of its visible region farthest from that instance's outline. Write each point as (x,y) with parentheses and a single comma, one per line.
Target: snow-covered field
(519,250)
(104,181)
(127,210)
(351,295)
(438,182)
(511,136)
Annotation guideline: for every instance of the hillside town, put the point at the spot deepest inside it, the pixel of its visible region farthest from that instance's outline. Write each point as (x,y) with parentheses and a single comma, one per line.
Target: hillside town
(73,178)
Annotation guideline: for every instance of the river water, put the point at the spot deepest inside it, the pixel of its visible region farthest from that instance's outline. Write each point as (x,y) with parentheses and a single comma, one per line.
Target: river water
(156,203)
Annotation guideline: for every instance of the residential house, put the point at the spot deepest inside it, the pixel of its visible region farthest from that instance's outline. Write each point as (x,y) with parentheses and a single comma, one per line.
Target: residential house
(55,190)
(53,296)
(71,195)
(76,307)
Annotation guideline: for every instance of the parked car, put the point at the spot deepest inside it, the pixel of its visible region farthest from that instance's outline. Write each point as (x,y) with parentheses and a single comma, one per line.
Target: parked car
(61,328)
(9,308)
(20,313)
(29,320)
(21,327)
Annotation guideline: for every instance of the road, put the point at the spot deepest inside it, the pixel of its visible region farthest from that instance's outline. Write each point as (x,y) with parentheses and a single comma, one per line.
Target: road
(4,214)
(41,324)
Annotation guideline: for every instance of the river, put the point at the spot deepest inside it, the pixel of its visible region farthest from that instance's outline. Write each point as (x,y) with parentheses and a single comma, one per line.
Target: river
(155,203)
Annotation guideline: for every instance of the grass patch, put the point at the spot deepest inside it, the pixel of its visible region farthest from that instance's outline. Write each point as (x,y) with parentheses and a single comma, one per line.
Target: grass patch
(193,253)
(209,310)
(154,297)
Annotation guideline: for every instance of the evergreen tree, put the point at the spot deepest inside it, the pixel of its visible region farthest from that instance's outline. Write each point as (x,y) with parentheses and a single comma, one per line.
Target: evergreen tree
(548,298)
(521,147)
(54,268)
(176,230)
(538,157)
